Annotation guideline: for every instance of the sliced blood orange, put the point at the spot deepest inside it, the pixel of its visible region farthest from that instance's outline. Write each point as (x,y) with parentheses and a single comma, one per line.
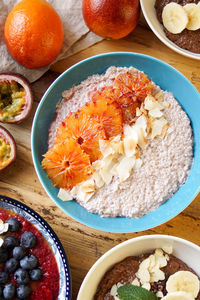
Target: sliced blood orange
(126,100)
(85,130)
(66,164)
(138,84)
(109,115)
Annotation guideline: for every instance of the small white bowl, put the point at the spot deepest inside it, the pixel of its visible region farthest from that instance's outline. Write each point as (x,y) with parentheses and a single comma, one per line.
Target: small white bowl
(188,252)
(151,18)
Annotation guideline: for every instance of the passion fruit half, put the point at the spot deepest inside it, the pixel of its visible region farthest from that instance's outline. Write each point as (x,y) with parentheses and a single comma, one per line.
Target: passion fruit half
(15,98)
(7,148)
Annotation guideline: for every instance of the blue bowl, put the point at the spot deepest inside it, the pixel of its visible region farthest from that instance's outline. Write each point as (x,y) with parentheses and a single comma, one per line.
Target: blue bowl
(168,79)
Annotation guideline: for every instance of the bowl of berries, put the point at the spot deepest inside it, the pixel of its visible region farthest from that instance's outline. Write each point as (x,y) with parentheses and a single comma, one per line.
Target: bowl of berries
(33,264)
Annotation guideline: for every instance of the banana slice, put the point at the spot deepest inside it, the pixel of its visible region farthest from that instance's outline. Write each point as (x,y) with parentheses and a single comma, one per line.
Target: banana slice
(174,18)
(184,281)
(178,296)
(193,13)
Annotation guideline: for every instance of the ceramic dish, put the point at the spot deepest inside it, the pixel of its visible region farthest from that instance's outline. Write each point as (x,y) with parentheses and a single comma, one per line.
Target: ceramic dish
(151,18)
(182,249)
(168,79)
(51,238)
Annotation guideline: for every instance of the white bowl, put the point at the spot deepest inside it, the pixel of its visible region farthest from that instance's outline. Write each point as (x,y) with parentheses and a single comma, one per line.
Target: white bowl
(151,18)
(182,249)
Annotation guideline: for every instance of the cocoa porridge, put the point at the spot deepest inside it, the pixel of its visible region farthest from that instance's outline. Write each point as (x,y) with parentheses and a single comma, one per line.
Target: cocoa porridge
(187,39)
(132,269)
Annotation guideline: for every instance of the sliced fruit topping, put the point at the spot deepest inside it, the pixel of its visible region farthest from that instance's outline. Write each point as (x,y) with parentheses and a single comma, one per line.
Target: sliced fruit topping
(7,148)
(184,281)
(85,131)
(174,18)
(66,164)
(178,296)
(193,13)
(138,84)
(15,98)
(107,114)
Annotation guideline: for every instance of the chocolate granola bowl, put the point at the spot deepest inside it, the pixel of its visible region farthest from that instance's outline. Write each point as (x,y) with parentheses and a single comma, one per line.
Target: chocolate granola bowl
(156,264)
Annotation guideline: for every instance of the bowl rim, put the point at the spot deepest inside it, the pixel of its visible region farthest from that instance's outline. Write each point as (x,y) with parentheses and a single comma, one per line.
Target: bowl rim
(128,243)
(54,236)
(50,88)
(167,41)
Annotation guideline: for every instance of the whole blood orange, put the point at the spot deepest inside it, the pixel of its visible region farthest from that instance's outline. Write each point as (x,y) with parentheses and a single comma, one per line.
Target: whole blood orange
(111,18)
(33,33)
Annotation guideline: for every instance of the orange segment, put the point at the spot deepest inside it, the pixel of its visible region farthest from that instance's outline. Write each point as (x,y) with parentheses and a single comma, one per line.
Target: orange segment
(85,130)
(107,114)
(66,164)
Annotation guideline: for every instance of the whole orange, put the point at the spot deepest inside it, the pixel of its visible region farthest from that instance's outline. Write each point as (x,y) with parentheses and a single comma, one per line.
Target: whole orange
(111,18)
(33,33)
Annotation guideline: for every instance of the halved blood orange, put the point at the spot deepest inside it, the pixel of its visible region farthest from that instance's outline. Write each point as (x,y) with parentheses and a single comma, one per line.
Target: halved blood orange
(67,164)
(109,115)
(85,130)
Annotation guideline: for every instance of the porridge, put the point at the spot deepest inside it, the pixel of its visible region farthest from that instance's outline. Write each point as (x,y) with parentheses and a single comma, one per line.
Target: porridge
(160,272)
(186,37)
(139,155)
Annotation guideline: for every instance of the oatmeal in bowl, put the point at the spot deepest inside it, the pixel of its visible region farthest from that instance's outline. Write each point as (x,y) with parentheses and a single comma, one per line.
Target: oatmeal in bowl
(118,151)
(152,267)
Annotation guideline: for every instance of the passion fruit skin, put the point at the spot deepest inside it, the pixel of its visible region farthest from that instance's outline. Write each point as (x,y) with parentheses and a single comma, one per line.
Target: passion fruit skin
(8,77)
(6,135)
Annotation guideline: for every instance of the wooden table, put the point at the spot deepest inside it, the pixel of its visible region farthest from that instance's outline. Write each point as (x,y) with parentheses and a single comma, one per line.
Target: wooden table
(84,245)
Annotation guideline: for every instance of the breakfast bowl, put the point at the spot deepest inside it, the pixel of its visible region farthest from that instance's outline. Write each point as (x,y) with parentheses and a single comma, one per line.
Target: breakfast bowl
(152,20)
(168,79)
(54,279)
(183,250)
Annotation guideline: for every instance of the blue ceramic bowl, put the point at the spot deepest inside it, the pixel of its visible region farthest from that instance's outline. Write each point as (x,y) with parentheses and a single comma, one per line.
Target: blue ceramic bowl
(50,237)
(168,79)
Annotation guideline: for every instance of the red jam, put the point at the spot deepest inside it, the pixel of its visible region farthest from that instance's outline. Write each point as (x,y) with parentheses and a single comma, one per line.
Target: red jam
(47,287)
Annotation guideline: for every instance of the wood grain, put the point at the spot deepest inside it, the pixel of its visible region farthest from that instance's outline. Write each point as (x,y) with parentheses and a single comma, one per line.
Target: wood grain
(84,245)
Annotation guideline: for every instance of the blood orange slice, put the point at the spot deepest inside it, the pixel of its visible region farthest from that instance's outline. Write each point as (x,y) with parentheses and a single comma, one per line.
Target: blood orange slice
(109,115)
(126,100)
(85,130)
(140,85)
(66,164)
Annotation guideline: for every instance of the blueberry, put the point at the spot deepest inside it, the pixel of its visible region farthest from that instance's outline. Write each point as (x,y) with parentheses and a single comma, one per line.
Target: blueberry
(9,291)
(19,252)
(21,276)
(13,225)
(3,254)
(35,274)
(4,277)
(23,291)
(28,239)
(29,262)
(10,242)
(11,265)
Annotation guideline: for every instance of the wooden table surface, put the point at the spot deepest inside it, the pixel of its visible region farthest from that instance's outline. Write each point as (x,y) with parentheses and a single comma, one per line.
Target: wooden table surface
(84,245)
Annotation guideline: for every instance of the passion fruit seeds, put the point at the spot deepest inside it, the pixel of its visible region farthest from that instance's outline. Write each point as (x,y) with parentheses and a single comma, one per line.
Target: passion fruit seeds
(7,148)
(15,98)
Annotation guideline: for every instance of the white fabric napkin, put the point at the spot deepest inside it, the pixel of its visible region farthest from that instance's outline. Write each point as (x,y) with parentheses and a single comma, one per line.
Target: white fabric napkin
(76,35)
